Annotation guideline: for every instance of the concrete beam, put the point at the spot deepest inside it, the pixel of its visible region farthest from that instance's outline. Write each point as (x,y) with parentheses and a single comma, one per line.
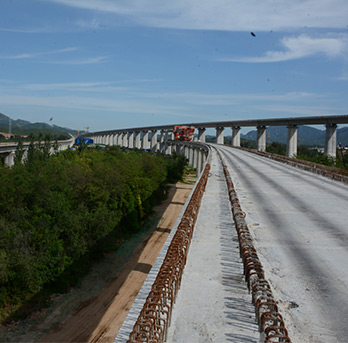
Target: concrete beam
(291,146)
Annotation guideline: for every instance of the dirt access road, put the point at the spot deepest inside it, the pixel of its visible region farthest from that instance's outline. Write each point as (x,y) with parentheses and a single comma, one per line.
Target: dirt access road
(95,310)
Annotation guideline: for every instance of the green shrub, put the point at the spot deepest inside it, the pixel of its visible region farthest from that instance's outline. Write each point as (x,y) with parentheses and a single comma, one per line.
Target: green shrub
(56,210)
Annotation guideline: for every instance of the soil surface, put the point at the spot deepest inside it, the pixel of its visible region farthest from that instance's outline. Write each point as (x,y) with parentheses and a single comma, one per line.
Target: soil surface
(95,309)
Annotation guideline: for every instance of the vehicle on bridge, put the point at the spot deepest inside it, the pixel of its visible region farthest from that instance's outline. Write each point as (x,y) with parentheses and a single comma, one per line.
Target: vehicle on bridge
(184,133)
(83,140)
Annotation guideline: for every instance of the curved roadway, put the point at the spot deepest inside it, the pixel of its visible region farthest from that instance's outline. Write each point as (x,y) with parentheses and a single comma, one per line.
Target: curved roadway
(299,221)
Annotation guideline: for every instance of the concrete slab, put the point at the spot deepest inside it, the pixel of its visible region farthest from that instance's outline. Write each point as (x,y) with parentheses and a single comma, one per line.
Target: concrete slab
(213,304)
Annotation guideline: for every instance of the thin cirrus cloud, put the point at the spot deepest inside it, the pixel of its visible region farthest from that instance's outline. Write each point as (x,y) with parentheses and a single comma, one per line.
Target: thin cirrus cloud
(299,47)
(38,54)
(90,60)
(232,15)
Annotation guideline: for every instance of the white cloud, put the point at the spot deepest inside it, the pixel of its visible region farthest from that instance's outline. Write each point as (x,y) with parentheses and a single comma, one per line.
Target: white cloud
(38,54)
(299,47)
(90,60)
(232,15)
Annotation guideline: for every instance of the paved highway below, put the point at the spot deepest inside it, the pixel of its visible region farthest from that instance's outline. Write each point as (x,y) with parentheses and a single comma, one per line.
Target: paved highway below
(299,221)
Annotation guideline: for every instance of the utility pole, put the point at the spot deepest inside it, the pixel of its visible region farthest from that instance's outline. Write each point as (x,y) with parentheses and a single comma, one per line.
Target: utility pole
(9,127)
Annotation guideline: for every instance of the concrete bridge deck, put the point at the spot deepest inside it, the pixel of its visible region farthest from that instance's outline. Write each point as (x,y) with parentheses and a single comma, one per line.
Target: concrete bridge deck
(299,223)
(213,304)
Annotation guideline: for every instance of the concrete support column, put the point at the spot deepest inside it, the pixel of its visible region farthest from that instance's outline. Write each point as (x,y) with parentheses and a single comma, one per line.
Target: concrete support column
(166,145)
(199,162)
(201,134)
(261,138)
(9,159)
(187,151)
(119,141)
(181,149)
(154,140)
(236,136)
(145,144)
(125,139)
(331,140)
(195,159)
(204,157)
(191,157)
(220,135)
(111,141)
(116,138)
(137,142)
(131,140)
(162,147)
(291,146)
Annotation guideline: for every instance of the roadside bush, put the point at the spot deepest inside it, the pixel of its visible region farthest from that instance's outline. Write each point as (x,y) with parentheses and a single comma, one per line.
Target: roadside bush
(54,210)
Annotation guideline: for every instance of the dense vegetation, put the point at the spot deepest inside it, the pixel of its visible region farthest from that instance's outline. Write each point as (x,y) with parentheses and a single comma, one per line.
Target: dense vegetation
(57,211)
(17,136)
(313,155)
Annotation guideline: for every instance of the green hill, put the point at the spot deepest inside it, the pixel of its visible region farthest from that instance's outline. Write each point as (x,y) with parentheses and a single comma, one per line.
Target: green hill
(23,127)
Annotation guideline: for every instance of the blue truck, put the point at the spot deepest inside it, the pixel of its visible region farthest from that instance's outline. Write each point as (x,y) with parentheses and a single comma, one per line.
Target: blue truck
(83,140)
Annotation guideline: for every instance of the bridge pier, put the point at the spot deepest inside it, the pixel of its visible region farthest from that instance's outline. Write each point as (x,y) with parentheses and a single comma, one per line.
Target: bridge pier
(291,146)
(331,140)
(137,142)
(131,139)
(145,142)
(201,134)
(112,139)
(9,159)
(154,140)
(261,138)
(161,143)
(236,136)
(220,135)
(167,148)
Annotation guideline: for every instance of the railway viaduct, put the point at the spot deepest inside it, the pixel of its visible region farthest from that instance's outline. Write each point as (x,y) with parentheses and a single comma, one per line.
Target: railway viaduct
(259,251)
(268,243)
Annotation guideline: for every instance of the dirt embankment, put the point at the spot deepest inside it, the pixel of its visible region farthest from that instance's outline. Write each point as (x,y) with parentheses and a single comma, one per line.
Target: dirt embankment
(95,309)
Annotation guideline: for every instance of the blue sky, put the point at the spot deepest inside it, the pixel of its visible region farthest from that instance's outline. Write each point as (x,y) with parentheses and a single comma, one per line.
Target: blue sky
(109,64)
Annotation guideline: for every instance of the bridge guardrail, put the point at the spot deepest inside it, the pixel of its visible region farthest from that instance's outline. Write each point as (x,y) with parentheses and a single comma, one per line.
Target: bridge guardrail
(155,316)
(329,172)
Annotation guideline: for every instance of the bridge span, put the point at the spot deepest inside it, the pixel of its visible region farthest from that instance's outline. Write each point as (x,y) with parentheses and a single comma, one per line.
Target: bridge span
(147,137)
(298,222)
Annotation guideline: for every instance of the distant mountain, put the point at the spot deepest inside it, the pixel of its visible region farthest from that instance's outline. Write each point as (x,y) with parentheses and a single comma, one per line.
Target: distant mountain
(306,135)
(20,126)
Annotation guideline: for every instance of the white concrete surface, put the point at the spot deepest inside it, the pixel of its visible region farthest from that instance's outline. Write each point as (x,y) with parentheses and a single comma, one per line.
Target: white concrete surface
(213,303)
(300,224)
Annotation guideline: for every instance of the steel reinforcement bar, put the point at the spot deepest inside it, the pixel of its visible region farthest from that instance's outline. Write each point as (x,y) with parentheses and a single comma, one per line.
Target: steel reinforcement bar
(155,316)
(270,321)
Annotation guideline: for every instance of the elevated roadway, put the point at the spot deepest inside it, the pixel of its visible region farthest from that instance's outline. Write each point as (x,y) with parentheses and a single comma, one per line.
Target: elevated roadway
(299,224)
(298,221)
